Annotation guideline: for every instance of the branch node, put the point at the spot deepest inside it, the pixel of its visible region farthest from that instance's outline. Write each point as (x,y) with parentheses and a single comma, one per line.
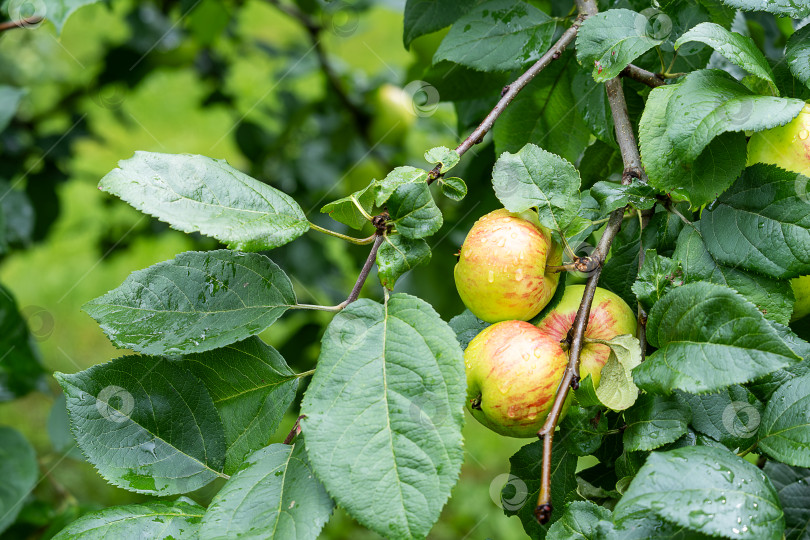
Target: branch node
(504,90)
(380,222)
(543,513)
(629,174)
(575,382)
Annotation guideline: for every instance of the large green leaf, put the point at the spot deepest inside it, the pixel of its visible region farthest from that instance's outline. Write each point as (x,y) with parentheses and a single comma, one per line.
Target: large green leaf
(196,302)
(252,387)
(582,520)
(762,223)
(384,413)
(56,11)
(691,137)
(21,370)
(498,35)
(199,194)
(426,16)
(773,298)
(653,422)
(610,40)
(797,54)
(347,209)
(397,255)
(784,432)
(789,8)
(413,211)
(730,416)
(729,496)
(273,495)
(708,337)
(793,486)
(613,195)
(147,424)
(536,178)
(152,519)
(400,176)
(739,49)
(19,471)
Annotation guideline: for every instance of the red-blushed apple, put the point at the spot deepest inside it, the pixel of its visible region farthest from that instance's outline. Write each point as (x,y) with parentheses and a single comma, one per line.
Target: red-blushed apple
(786,146)
(610,317)
(513,371)
(501,273)
(801,292)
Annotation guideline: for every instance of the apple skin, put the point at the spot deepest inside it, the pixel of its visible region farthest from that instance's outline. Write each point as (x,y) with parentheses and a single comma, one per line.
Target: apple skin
(393,114)
(801,291)
(513,371)
(786,146)
(610,317)
(501,273)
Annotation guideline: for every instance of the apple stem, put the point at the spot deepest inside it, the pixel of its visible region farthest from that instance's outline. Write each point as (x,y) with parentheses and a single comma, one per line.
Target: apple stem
(296,429)
(653,80)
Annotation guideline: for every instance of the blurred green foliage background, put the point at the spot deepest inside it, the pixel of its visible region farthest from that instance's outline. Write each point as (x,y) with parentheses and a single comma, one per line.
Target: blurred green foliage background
(240,81)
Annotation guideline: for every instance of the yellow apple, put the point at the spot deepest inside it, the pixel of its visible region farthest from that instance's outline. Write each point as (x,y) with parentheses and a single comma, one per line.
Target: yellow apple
(801,291)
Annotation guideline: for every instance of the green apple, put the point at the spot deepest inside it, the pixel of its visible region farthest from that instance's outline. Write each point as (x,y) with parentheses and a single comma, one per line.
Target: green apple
(501,274)
(513,371)
(393,114)
(610,317)
(801,291)
(786,146)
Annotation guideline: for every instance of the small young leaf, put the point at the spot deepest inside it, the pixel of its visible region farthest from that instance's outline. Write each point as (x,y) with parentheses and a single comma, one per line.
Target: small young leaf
(610,40)
(152,519)
(586,394)
(147,424)
(708,337)
(497,35)
(467,326)
(199,194)
(785,429)
(346,210)
(736,48)
(397,255)
(19,471)
(453,188)
(252,387)
(793,486)
(657,276)
(391,375)
(273,495)
(196,302)
(536,178)
(581,520)
(444,156)
(653,422)
(616,389)
(413,211)
(396,178)
(744,504)
(797,54)
(613,195)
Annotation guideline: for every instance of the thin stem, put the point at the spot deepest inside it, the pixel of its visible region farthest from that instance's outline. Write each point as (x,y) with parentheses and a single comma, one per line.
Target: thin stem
(22,23)
(305,374)
(747,450)
(296,429)
(653,80)
(353,240)
(361,209)
(641,320)
(316,307)
(671,208)
(361,279)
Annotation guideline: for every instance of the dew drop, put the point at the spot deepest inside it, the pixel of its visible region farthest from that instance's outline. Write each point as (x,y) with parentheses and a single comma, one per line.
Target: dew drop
(538,352)
(491,277)
(519,274)
(803,134)
(501,242)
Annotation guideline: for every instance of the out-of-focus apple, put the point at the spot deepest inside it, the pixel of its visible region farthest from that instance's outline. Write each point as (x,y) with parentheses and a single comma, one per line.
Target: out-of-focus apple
(610,317)
(801,291)
(393,114)
(513,371)
(501,274)
(786,146)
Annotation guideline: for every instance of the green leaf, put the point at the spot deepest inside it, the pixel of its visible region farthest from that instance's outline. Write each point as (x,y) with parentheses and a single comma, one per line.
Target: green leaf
(467,326)
(498,35)
(544,113)
(657,276)
(441,155)
(773,298)
(196,302)
(584,429)
(397,255)
(453,188)
(151,519)
(427,16)
(788,8)
(21,370)
(273,495)
(390,375)
(708,337)
(19,470)
(793,486)
(199,194)
(534,178)
(519,494)
(613,195)
(797,54)
(761,224)
(653,422)
(736,48)
(396,178)
(684,132)
(413,211)
(730,416)
(593,106)
(10,98)
(616,389)
(147,424)
(251,387)
(586,394)
(784,432)
(729,497)
(17,217)
(346,210)
(56,11)
(581,520)
(610,40)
